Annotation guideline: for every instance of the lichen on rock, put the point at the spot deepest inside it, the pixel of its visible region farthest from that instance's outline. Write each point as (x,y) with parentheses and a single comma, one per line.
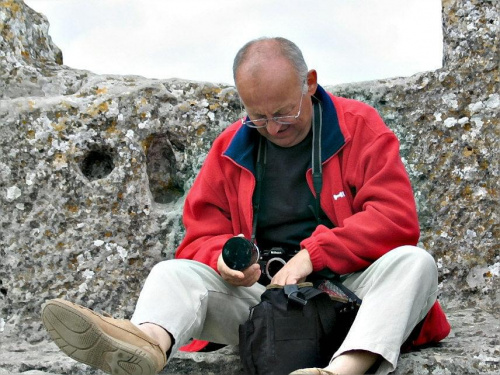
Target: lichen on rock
(94,168)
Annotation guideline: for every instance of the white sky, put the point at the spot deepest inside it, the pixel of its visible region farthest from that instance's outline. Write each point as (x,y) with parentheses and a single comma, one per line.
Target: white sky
(344,40)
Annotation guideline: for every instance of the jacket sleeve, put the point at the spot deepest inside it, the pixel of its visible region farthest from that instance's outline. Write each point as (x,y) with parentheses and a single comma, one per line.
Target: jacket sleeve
(383,213)
(206,215)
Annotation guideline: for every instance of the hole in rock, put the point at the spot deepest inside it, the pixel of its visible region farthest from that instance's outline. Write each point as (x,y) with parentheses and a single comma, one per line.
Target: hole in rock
(97,164)
(2,289)
(160,159)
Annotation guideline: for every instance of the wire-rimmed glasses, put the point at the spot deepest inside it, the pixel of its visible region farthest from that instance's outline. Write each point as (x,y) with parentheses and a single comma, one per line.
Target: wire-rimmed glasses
(282,120)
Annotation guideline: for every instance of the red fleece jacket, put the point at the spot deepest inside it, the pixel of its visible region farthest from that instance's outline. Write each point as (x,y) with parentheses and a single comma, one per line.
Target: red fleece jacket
(366,194)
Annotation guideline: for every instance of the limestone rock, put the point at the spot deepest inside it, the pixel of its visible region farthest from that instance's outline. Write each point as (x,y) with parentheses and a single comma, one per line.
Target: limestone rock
(94,170)
(448,125)
(473,348)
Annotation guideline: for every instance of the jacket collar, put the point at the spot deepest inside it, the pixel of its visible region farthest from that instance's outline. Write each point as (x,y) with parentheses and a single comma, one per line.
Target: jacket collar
(243,146)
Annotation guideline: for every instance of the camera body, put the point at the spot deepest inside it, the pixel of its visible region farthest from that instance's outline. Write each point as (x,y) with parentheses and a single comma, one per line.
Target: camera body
(239,253)
(272,260)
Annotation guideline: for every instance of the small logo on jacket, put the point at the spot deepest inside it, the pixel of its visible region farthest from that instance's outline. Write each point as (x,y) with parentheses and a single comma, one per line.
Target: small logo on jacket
(339,195)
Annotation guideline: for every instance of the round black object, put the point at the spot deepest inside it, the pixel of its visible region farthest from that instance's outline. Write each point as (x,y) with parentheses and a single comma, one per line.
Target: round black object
(239,253)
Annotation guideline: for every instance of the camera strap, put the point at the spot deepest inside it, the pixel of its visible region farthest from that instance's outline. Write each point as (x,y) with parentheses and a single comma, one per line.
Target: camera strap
(317,172)
(259,176)
(317,122)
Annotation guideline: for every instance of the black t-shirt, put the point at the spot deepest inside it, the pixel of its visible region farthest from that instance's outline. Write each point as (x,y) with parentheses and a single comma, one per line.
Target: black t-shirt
(286,214)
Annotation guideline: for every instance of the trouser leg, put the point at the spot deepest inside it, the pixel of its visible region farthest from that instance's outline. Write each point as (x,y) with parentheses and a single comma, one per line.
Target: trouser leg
(190,300)
(397,292)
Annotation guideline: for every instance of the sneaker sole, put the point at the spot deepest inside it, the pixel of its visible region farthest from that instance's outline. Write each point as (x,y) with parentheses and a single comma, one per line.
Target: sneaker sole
(81,339)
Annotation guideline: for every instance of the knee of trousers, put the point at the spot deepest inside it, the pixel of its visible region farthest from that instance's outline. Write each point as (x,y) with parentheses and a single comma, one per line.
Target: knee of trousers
(177,270)
(413,260)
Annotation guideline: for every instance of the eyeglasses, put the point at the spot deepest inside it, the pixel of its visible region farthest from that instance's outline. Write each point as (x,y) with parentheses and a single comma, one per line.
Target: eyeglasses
(262,122)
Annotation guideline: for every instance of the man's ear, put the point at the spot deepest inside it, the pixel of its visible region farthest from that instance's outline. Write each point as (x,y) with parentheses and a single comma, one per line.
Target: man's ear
(312,81)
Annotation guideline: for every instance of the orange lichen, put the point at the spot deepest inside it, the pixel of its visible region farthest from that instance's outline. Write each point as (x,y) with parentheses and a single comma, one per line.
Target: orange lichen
(112,128)
(99,108)
(145,143)
(71,208)
(201,130)
(468,151)
(14,7)
(60,126)
(103,107)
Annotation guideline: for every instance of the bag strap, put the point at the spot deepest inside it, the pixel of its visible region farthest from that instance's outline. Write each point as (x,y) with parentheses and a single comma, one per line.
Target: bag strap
(349,293)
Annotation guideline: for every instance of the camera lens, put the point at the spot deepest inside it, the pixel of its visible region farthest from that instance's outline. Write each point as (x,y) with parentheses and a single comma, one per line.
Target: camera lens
(239,253)
(273,266)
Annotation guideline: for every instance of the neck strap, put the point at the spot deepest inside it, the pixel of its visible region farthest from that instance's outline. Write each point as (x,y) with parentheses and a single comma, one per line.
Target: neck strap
(316,157)
(259,176)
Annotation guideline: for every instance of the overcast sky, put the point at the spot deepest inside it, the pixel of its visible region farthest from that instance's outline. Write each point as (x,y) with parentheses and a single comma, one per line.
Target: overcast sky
(344,40)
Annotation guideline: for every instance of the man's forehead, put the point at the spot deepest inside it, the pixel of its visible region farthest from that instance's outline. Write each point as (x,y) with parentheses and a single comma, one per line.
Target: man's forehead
(266,71)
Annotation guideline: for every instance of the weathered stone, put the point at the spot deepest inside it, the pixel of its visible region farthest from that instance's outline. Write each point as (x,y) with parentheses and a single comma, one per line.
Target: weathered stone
(94,170)
(472,348)
(448,125)
(93,181)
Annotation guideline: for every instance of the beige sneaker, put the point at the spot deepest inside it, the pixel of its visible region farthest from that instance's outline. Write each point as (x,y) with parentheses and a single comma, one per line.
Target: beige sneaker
(111,345)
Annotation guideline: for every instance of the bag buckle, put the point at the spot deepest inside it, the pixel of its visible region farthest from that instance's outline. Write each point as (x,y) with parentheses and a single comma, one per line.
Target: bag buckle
(294,294)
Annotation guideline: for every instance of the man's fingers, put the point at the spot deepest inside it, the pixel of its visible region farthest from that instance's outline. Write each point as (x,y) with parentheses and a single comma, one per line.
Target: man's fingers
(234,275)
(252,275)
(247,277)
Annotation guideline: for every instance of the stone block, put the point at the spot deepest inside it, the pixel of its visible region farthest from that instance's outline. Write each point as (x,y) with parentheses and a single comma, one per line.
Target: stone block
(94,170)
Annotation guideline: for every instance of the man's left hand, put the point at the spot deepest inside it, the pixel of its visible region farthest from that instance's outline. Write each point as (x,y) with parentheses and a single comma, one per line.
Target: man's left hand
(296,270)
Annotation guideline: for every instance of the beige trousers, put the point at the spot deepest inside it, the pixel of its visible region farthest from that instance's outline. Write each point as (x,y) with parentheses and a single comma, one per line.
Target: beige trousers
(190,300)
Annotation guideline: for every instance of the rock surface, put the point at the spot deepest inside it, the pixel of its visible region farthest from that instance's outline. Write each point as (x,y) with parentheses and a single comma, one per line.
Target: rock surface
(94,170)
(472,348)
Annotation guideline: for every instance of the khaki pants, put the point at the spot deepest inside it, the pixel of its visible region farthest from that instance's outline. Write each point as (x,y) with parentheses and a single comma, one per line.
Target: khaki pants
(190,300)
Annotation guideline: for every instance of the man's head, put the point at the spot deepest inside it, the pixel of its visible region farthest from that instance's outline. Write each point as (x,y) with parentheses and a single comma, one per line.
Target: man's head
(272,80)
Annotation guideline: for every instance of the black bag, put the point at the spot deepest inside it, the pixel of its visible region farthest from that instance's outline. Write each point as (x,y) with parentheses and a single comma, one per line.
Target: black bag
(296,326)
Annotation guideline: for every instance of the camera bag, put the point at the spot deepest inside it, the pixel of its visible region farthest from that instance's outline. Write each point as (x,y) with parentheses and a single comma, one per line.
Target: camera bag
(293,327)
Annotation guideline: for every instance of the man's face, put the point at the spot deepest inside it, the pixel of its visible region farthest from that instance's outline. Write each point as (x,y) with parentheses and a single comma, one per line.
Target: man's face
(276,90)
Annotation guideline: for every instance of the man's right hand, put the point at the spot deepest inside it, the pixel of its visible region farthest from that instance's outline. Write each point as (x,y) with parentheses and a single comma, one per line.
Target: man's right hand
(247,277)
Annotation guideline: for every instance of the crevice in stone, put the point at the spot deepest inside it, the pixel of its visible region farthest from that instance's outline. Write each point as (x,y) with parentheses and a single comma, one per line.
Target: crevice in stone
(3,290)
(160,160)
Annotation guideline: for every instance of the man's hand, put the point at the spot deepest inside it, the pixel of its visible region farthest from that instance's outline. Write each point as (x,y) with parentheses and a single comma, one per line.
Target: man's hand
(296,270)
(247,277)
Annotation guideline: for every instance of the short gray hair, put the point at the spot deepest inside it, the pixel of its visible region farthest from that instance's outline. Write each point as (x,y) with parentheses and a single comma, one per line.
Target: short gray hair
(287,49)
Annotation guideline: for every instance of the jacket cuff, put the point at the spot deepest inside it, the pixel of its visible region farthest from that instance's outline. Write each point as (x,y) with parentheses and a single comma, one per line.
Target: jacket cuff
(315,253)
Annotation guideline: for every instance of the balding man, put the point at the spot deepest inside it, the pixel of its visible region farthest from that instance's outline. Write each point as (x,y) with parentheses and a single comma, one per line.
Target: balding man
(360,222)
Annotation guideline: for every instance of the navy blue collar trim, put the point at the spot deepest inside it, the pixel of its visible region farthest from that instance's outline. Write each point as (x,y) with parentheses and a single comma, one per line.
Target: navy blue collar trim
(243,146)
(332,137)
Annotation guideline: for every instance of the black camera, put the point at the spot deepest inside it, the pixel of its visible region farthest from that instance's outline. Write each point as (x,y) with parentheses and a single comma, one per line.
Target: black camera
(272,260)
(239,253)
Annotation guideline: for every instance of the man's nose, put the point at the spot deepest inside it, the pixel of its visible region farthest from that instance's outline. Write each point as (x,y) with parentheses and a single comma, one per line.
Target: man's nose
(273,127)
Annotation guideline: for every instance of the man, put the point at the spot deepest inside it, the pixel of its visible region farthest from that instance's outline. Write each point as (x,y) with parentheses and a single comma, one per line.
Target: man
(368,231)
